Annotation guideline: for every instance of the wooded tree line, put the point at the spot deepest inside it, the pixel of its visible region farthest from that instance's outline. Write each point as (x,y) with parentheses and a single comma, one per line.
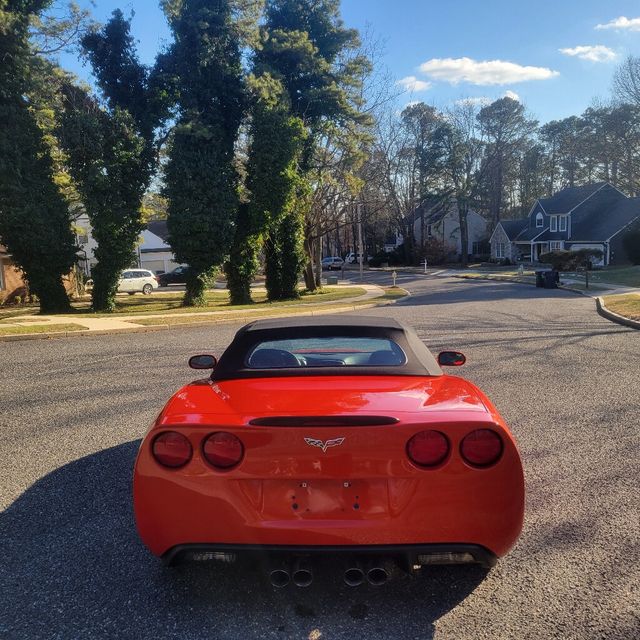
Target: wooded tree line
(496,159)
(266,122)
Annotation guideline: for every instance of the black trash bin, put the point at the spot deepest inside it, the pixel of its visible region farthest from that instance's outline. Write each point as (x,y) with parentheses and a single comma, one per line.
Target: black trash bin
(550,279)
(540,278)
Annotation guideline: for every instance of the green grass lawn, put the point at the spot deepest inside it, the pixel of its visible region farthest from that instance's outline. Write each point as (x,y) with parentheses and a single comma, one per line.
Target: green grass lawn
(216,301)
(13,311)
(627,305)
(265,310)
(623,276)
(40,328)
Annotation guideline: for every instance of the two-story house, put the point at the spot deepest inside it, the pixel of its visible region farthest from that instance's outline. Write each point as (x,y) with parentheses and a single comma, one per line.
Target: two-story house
(152,252)
(440,220)
(593,216)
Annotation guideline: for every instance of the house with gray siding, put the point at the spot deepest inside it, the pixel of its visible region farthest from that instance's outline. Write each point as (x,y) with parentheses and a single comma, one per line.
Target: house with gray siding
(440,220)
(594,216)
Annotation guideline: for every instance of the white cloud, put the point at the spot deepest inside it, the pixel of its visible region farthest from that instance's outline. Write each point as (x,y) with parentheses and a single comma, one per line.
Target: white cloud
(483,101)
(632,24)
(480,101)
(411,83)
(487,72)
(594,53)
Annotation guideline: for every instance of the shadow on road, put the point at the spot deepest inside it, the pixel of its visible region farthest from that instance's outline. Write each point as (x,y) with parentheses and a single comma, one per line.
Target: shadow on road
(74,567)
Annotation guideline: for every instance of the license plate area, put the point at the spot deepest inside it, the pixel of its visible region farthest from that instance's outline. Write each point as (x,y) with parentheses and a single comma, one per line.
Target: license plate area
(334,499)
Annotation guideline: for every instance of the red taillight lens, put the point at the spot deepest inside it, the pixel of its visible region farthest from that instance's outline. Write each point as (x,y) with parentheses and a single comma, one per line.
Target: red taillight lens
(223,450)
(481,448)
(172,449)
(428,448)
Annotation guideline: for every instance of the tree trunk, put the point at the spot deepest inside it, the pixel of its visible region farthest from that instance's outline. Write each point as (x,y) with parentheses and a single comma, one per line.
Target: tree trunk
(318,265)
(273,267)
(105,286)
(309,276)
(196,285)
(463,210)
(243,261)
(53,296)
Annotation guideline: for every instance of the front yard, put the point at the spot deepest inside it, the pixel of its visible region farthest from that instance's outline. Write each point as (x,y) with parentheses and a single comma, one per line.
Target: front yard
(171,302)
(622,276)
(627,305)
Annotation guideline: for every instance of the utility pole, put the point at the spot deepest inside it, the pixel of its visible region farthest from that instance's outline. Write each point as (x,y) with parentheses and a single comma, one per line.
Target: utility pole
(360,254)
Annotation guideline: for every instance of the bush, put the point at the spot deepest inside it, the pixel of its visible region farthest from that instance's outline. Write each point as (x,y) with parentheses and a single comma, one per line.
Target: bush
(436,252)
(631,244)
(570,260)
(380,258)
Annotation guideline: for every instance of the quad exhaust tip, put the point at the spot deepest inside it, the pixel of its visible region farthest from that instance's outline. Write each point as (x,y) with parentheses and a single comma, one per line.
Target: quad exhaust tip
(302,574)
(354,575)
(279,578)
(377,576)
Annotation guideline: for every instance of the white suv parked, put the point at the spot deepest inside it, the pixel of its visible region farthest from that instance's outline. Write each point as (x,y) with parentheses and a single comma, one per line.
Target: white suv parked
(135,280)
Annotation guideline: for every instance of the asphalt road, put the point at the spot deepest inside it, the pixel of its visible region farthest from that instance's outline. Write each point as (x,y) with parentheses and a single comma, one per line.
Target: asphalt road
(72,412)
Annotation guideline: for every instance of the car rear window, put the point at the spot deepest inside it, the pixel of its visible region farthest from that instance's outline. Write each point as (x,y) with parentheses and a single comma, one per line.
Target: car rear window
(332,351)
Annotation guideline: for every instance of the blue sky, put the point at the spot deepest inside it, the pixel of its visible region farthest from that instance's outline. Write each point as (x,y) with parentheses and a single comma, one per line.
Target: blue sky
(447,51)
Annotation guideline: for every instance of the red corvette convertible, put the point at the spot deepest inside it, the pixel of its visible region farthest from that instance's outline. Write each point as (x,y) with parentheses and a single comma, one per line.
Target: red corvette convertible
(329,435)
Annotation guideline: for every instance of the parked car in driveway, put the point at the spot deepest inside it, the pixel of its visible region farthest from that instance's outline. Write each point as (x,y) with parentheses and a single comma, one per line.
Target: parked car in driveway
(131,281)
(177,276)
(137,281)
(332,262)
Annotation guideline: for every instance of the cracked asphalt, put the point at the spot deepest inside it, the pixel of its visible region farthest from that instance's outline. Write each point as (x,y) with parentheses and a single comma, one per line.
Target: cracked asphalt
(72,412)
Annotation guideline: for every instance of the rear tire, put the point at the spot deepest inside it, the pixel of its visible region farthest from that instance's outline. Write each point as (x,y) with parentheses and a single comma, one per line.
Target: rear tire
(147,289)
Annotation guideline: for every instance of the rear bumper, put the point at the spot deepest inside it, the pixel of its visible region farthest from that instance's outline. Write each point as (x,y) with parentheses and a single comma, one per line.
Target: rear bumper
(406,555)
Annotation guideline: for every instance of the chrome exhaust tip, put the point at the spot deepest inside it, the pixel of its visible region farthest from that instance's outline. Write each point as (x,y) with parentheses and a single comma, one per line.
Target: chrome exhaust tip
(354,575)
(377,575)
(302,574)
(279,577)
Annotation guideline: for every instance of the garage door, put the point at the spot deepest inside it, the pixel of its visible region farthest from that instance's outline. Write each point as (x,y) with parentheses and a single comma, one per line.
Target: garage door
(599,262)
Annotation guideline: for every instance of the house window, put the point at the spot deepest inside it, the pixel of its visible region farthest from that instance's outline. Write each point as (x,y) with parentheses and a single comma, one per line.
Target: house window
(563,223)
(539,220)
(83,239)
(554,245)
(1,275)
(554,223)
(500,250)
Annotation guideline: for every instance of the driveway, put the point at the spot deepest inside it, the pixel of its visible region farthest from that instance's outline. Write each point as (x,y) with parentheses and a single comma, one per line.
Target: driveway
(73,411)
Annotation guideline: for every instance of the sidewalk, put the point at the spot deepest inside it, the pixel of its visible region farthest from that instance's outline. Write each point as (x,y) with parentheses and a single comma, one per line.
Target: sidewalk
(142,322)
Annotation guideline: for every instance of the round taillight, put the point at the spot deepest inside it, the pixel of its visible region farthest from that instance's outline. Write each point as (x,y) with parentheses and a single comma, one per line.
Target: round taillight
(172,449)
(223,450)
(428,448)
(481,448)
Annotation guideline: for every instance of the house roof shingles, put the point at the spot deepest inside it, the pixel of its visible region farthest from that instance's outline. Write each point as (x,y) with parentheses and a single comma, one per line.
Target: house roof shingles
(513,228)
(605,222)
(569,198)
(159,228)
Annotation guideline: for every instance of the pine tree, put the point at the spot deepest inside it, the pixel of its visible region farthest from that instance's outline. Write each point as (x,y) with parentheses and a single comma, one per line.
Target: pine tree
(201,179)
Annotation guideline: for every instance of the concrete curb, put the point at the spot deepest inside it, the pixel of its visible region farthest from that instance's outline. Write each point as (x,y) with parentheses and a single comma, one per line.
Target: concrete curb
(178,326)
(615,317)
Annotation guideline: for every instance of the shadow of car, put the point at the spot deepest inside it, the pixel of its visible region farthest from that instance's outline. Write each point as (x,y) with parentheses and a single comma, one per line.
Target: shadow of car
(77,569)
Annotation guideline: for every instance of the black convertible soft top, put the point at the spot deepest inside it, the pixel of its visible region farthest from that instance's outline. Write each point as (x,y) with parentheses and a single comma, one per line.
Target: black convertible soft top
(420,361)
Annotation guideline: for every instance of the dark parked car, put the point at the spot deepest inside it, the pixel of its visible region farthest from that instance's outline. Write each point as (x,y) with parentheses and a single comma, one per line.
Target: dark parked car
(177,276)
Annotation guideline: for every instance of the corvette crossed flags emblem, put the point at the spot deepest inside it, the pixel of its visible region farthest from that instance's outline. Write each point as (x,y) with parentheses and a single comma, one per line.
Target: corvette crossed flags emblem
(312,442)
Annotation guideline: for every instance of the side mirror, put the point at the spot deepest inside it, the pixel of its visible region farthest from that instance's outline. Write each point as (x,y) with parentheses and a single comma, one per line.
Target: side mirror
(451,359)
(203,361)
